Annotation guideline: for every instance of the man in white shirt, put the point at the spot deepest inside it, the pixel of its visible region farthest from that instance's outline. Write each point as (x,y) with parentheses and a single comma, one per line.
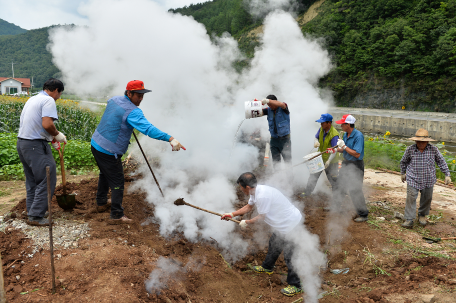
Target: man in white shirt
(278,212)
(36,130)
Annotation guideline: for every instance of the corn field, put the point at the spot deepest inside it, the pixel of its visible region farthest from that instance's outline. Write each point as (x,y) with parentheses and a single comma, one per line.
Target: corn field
(75,122)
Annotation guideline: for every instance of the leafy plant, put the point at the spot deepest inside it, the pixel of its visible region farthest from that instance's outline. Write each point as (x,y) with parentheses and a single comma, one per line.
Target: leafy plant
(372,260)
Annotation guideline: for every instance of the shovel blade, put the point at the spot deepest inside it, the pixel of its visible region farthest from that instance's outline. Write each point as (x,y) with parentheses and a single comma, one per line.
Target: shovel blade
(66,202)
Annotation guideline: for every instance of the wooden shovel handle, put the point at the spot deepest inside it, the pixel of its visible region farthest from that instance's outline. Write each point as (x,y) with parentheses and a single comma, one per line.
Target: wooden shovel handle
(62,168)
(452,238)
(211,212)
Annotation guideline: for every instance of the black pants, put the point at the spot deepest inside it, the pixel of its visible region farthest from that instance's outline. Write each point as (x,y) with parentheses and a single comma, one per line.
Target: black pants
(281,146)
(111,176)
(277,244)
(331,174)
(35,155)
(351,177)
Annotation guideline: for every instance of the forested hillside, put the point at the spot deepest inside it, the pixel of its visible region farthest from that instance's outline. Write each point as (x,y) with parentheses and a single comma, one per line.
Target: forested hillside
(404,47)
(408,45)
(7,28)
(31,59)
(230,16)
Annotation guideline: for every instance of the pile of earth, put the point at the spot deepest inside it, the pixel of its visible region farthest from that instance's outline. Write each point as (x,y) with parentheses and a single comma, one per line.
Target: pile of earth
(113,264)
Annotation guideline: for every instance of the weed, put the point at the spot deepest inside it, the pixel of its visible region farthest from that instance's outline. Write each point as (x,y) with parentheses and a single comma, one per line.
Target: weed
(372,260)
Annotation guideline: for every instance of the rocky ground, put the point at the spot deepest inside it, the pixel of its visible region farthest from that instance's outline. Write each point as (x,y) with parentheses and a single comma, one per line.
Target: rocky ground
(98,262)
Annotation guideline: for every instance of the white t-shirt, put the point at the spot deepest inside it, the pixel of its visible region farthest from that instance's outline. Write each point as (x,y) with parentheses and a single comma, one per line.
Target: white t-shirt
(37,107)
(279,213)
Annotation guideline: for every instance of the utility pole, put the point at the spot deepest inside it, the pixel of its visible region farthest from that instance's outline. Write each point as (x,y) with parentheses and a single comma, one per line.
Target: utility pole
(12,67)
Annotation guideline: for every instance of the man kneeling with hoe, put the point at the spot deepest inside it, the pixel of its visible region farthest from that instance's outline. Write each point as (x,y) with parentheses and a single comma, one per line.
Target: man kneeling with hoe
(274,209)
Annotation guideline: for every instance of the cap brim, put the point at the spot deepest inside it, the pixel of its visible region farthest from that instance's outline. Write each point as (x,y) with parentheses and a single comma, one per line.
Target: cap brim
(340,122)
(141,91)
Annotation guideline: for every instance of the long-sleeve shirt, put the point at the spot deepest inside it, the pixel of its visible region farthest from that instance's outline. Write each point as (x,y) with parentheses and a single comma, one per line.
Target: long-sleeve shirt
(137,120)
(419,167)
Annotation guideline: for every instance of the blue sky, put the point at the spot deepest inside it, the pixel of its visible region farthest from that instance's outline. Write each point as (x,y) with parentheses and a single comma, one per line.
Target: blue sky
(32,14)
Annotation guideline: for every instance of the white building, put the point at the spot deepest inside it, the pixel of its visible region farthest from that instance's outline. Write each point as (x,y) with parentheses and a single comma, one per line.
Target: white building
(9,86)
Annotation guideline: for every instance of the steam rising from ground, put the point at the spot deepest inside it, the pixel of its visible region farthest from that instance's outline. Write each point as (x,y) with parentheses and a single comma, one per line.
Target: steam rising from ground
(169,270)
(198,98)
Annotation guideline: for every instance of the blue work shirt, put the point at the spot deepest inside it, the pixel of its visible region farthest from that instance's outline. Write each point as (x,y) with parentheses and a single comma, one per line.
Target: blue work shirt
(137,120)
(355,142)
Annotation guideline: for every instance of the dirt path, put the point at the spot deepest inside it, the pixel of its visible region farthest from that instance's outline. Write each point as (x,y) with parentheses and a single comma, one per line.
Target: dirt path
(386,262)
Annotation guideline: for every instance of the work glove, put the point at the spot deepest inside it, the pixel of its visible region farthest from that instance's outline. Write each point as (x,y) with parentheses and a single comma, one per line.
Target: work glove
(403,178)
(243,225)
(329,160)
(176,145)
(265,101)
(227,216)
(316,143)
(60,138)
(331,150)
(55,144)
(340,143)
(447,180)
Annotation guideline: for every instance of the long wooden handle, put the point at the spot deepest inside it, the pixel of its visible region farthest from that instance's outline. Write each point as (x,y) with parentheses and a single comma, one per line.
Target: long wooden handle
(62,168)
(147,161)
(211,212)
(51,241)
(452,238)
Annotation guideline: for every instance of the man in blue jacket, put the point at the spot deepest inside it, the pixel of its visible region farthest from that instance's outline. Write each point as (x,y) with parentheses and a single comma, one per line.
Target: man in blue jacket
(279,127)
(110,141)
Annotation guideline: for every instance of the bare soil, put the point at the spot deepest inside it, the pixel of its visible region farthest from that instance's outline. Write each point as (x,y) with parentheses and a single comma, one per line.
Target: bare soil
(386,263)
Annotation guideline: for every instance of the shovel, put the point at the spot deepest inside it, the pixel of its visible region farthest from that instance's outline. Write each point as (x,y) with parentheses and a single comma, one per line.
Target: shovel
(65,201)
(435,240)
(181,201)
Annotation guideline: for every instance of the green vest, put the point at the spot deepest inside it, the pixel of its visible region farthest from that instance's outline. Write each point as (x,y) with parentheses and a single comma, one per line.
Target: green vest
(327,143)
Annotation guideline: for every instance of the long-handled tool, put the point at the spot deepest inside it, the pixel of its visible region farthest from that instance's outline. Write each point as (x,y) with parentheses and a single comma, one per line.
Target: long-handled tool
(435,240)
(51,242)
(65,201)
(145,158)
(181,201)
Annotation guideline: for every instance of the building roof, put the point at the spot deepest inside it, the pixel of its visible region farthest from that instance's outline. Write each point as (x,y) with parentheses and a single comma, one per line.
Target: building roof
(25,81)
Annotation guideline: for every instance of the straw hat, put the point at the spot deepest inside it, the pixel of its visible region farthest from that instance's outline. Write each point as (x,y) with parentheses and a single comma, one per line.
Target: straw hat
(421,135)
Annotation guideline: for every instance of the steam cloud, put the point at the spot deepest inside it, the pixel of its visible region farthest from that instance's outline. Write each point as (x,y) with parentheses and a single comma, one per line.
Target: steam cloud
(199,99)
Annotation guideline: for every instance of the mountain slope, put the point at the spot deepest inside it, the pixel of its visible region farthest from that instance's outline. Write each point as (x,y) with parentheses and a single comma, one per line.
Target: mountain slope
(7,28)
(31,59)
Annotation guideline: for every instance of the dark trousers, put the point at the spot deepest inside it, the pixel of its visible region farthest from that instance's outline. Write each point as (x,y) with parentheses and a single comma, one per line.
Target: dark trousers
(111,176)
(331,174)
(351,177)
(35,155)
(277,244)
(280,146)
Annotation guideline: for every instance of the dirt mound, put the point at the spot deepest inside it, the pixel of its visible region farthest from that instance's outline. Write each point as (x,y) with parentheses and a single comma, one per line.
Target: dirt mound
(115,263)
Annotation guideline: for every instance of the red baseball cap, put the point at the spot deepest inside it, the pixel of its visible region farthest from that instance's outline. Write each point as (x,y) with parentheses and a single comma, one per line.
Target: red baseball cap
(349,119)
(137,86)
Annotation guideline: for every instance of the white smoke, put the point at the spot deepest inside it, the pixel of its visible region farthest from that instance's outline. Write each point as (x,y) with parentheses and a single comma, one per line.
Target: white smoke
(166,270)
(198,98)
(260,8)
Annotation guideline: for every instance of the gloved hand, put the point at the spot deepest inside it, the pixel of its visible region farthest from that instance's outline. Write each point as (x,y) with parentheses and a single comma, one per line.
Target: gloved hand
(331,150)
(55,144)
(316,143)
(403,177)
(340,143)
(243,225)
(447,180)
(227,216)
(176,145)
(265,101)
(60,138)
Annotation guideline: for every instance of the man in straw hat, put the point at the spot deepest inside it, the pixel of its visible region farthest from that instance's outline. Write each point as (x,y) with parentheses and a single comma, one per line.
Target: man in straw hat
(418,169)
